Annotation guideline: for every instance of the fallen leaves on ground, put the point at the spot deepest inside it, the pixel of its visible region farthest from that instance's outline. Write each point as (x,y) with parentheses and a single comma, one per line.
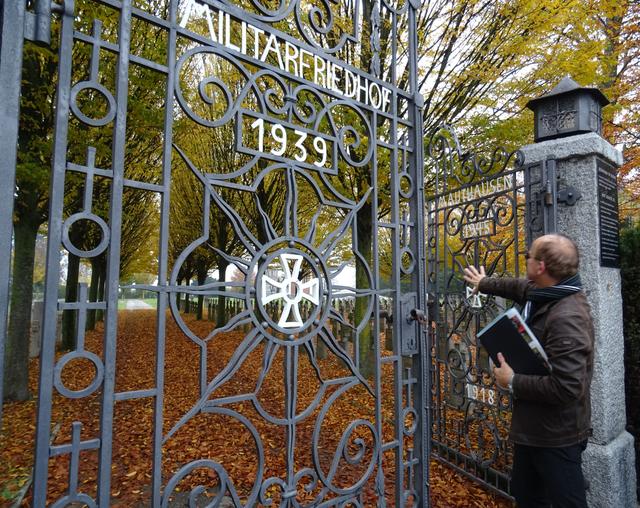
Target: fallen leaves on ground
(216,435)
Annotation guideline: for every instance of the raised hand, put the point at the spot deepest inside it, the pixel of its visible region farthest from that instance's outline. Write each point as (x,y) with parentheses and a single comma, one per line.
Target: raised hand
(473,276)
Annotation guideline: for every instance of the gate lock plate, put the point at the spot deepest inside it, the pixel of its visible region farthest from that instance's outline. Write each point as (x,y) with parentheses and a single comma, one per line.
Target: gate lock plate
(409,329)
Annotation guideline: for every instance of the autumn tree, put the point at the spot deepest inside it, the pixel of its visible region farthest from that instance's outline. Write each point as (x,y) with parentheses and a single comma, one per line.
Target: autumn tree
(32,176)
(594,42)
(30,208)
(465,50)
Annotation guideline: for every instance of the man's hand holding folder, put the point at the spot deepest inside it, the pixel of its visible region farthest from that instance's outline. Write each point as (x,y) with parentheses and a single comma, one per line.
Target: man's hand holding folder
(503,374)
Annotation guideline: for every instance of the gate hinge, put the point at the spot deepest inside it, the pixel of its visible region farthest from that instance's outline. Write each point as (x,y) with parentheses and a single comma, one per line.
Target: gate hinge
(37,25)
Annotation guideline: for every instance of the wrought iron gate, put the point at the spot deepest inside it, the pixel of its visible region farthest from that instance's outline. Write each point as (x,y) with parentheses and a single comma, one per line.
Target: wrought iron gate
(483,210)
(306,162)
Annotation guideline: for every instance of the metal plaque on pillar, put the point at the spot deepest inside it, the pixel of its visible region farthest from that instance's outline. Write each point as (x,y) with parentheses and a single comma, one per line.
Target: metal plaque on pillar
(608,220)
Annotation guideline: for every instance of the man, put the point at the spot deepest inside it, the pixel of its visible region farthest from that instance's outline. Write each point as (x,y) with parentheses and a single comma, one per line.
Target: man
(551,418)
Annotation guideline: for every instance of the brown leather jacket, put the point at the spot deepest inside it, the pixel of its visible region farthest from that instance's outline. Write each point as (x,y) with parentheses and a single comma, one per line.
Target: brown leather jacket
(553,410)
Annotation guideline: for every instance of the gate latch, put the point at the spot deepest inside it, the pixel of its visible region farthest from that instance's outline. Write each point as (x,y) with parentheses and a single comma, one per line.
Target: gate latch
(569,195)
(417,315)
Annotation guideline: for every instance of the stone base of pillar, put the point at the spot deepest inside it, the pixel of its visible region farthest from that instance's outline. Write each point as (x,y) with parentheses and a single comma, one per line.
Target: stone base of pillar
(610,471)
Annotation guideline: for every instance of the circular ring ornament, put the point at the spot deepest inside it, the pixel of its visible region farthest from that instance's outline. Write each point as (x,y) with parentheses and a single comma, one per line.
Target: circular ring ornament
(406,185)
(98,249)
(73,500)
(291,273)
(411,429)
(92,85)
(78,394)
(408,261)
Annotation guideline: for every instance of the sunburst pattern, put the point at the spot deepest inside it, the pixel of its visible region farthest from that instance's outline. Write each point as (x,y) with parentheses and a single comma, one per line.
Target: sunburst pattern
(288,270)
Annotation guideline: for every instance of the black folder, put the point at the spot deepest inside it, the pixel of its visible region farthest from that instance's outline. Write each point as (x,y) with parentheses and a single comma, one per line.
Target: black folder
(508,334)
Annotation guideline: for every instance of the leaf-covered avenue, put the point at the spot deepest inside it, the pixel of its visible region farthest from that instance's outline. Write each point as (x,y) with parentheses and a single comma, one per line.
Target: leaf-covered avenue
(480,61)
(207,437)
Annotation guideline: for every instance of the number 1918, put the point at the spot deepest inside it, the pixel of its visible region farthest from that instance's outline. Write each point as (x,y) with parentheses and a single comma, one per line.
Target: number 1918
(484,394)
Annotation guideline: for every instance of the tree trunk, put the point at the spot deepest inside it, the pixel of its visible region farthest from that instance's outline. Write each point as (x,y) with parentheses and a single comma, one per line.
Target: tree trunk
(93,293)
(102,281)
(69,317)
(178,297)
(221,318)
(185,308)
(202,277)
(365,238)
(364,220)
(16,371)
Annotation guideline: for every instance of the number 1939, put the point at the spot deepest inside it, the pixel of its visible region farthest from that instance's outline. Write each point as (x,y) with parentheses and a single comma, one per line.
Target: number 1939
(274,139)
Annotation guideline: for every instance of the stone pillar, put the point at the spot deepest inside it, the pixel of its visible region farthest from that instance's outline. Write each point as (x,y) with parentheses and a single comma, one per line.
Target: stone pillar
(608,461)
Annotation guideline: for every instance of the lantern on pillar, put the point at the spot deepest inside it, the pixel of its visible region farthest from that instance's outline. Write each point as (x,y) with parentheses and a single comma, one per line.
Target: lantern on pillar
(567,110)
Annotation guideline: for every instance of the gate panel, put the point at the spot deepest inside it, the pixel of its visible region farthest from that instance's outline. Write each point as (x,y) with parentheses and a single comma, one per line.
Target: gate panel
(260,140)
(476,216)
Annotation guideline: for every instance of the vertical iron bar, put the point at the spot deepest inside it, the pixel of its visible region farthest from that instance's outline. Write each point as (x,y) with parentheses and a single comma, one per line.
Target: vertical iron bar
(529,204)
(423,384)
(516,219)
(11,42)
(56,204)
(550,196)
(291,401)
(396,279)
(376,283)
(43,22)
(113,266)
(156,481)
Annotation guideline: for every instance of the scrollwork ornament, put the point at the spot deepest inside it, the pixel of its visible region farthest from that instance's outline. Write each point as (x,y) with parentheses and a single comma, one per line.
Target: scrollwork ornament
(453,222)
(267,485)
(458,360)
(354,458)
(228,108)
(81,499)
(349,147)
(290,492)
(316,22)
(225,484)
(401,6)
(503,210)
(304,109)
(374,67)
(410,497)
(276,99)
(351,503)
(466,167)
(270,14)
(485,453)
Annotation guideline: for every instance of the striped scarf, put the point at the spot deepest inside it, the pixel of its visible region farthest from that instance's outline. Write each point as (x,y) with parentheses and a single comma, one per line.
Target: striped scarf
(540,296)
